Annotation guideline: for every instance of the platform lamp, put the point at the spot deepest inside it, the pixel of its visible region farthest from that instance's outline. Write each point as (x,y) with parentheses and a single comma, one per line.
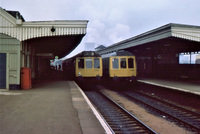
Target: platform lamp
(53,29)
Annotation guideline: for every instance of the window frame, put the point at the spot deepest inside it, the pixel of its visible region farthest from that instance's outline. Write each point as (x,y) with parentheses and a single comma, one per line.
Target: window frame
(121,60)
(96,58)
(131,62)
(90,65)
(82,63)
(115,64)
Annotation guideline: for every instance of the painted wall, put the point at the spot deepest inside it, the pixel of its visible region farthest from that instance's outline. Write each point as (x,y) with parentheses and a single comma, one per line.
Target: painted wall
(11,47)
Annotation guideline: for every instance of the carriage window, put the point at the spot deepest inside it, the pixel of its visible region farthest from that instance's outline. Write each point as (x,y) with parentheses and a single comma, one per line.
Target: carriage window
(130,63)
(80,63)
(115,63)
(123,62)
(88,62)
(96,63)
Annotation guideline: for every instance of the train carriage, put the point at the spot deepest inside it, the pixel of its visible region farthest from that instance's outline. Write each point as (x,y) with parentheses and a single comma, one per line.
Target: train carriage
(87,64)
(120,65)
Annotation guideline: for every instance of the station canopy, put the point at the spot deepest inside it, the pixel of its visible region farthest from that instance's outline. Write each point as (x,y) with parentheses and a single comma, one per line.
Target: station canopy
(161,35)
(56,38)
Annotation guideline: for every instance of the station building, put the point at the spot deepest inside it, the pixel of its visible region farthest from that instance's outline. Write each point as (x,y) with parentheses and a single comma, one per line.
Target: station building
(170,51)
(31,45)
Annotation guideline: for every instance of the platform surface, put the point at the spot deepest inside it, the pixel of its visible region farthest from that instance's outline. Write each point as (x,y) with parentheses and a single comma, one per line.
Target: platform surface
(190,86)
(49,108)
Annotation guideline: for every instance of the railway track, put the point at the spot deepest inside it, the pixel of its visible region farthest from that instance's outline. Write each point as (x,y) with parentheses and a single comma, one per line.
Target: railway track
(119,120)
(182,116)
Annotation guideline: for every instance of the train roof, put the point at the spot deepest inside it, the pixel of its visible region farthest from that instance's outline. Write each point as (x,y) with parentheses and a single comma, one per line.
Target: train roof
(88,54)
(122,53)
(84,54)
(118,53)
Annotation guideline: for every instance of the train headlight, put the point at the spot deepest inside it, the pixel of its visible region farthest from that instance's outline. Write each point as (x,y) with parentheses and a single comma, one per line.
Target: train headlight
(79,74)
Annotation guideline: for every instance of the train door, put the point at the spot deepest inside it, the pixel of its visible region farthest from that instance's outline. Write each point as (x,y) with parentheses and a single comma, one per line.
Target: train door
(2,70)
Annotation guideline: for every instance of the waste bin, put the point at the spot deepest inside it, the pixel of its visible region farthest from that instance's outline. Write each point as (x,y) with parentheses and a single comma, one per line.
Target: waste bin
(25,78)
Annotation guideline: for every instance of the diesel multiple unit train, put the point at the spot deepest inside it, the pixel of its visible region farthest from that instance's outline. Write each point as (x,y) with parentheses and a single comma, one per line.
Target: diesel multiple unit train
(86,64)
(120,65)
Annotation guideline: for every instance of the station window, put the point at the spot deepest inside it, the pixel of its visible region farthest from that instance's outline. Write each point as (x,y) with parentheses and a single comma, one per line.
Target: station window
(80,63)
(88,62)
(96,63)
(130,63)
(189,58)
(115,63)
(123,62)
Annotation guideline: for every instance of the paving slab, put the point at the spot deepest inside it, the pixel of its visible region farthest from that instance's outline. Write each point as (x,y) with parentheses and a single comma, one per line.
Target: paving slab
(53,107)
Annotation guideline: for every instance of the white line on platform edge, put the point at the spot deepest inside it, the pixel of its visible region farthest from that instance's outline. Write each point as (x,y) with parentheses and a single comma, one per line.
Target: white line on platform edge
(176,88)
(104,125)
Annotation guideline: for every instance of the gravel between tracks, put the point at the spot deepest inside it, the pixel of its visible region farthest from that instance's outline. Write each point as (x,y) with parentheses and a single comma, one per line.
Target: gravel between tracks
(158,124)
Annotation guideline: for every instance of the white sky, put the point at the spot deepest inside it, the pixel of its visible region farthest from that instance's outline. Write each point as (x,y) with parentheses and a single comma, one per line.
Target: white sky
(110,21)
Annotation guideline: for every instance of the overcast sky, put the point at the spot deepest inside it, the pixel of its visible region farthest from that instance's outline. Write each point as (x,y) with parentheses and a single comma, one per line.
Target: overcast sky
(110,21)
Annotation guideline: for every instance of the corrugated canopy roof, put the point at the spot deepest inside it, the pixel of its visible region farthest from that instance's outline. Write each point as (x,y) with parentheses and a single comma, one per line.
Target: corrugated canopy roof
(187,32)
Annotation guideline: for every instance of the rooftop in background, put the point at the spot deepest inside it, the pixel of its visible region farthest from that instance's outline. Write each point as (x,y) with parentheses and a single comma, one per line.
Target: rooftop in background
(100,47)
(16,14)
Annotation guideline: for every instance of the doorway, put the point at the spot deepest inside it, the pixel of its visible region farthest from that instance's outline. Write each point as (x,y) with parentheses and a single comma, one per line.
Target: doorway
(2,70)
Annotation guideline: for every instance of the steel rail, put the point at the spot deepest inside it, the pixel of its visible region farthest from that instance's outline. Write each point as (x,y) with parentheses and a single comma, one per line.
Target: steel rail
(170,104)
(163,112)
(129,113)
(119,119)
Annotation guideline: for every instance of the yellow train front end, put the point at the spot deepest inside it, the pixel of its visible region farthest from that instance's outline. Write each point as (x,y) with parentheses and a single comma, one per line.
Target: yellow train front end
(123,67)
(89,67)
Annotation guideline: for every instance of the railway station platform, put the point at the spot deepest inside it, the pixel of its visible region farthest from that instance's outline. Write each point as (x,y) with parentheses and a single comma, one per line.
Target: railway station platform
(188,86)
(53,107)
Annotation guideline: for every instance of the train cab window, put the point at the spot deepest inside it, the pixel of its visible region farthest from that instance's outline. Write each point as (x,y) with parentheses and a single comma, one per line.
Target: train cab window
(88,62)
(130,63)
(80,63)
(115,63)
(123,62)
(96,63)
